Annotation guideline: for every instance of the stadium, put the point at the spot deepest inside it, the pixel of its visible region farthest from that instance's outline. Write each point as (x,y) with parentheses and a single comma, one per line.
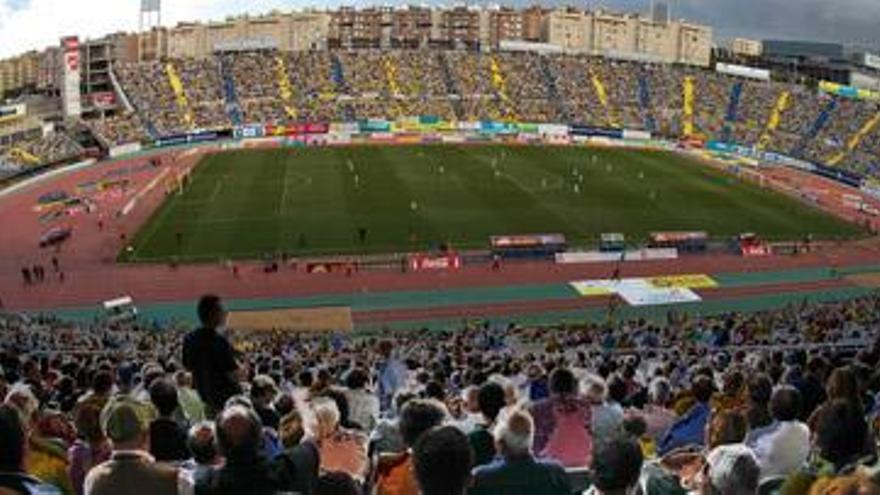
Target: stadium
(417,250)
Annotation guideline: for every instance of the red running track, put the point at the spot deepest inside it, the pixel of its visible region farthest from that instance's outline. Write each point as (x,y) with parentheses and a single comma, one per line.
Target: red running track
(91,274)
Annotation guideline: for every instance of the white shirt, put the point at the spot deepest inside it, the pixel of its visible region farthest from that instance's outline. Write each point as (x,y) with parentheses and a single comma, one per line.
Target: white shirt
(783,448)
(363,408)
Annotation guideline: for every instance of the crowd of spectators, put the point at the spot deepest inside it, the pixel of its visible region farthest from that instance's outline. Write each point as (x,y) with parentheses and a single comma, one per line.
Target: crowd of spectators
(786,399)
(524,86)
(53,147)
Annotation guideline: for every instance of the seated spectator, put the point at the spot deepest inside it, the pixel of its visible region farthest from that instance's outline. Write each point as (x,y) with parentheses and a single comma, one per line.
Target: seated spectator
(201,441)
(563,423)
(442,461)
(131,469)
(491,399)
(46,457)
(167,437)
(783,447)
(395,470)
(845,485)
(616,467)
(689,429)
(13,448)
(517,472)
(263,392)
(386,437)
(730,470)
(246,469)
(190,402)
(759,391)
(298,465)
(658,417)
(340,449)
(607,411)
(91,446)
(362,404)
(337,483)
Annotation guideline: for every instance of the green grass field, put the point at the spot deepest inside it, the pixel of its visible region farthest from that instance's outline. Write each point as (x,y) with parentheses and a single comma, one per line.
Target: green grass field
(312,201)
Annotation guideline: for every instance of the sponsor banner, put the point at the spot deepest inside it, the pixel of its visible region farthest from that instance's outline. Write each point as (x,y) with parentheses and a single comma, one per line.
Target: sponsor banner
(525,128)
(422,262)
(553,129)
(124,149)
(688,281)
(580,130)
(383,137)
(12,112)
(71,102)
(102,99)
(636,291)
(469,126)
(197,137)
(743,71)
(456,139)
(527,241)
(249,132)
(374,125)
(649,254)
(331,267)
(344,128)
(755,250)
(843,176)
(636,135)
(639,296)
(848,91)
(871,60)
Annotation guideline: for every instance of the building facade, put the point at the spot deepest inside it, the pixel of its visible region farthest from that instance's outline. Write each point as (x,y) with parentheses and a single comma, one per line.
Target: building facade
(296,31)
(629,36)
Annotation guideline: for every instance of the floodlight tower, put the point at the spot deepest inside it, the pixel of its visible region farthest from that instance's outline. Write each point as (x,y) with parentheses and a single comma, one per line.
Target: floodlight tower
(149,22)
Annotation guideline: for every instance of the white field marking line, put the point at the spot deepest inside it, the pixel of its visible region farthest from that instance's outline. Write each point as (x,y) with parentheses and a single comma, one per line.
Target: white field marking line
(154,224)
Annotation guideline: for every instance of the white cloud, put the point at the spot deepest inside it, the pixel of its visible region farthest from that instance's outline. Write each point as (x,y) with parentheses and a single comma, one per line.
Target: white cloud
(41,23)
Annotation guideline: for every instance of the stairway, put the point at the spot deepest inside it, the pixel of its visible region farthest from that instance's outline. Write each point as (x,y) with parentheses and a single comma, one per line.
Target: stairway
(337,74)
(854,141)
(782,104)
(645,103)
(555,97)
(285,90)
(230,95)
(499,82)
(687,106)
(732,110)
(452,90)
(179,94)
(602,95)
(819,124)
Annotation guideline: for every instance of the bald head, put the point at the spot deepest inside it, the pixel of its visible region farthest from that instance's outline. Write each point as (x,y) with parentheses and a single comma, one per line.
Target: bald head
(239,432)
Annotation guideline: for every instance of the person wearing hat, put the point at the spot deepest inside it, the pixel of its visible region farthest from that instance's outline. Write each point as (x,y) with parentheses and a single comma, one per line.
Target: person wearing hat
(131,469)
(730,470)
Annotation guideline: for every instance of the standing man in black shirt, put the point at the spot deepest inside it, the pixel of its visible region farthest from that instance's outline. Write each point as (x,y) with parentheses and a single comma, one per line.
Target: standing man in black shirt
(210,358)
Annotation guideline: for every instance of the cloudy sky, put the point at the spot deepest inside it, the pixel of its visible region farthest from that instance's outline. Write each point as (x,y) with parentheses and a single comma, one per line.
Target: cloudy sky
(26,24)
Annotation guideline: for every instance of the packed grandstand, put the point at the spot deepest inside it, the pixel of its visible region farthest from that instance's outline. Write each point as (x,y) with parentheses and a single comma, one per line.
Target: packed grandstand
(176,97)
(786,399)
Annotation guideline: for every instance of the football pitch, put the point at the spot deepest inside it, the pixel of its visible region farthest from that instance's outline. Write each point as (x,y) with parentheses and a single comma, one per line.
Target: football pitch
(383,199)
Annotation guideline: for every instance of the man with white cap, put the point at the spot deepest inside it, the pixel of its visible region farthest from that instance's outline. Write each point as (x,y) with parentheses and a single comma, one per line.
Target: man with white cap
(730,470)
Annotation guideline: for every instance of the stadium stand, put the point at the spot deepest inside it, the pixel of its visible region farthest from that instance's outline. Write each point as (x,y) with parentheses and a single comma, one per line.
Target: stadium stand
(672,102)
(794,390)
